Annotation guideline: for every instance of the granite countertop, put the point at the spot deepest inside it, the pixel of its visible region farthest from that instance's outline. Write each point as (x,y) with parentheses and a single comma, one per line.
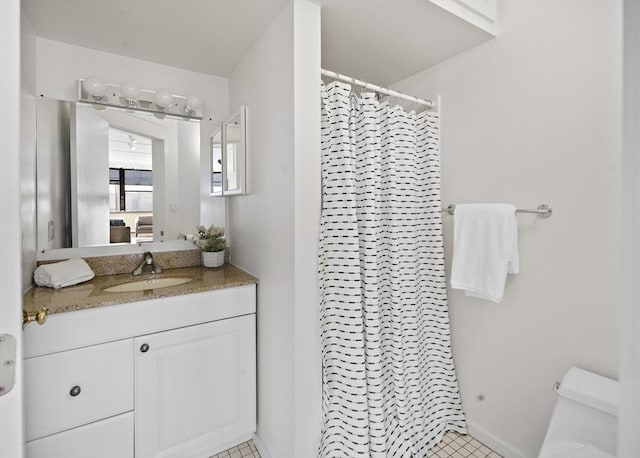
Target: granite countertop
(90,294)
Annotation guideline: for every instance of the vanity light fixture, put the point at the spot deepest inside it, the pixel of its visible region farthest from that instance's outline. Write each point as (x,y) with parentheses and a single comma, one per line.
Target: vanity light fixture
(95,87)
(193,104)
(130,95)
(163,98)
(131,92)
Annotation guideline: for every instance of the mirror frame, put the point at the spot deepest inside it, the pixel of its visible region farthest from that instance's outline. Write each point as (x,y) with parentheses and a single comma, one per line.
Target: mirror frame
(106,250)
(241,158)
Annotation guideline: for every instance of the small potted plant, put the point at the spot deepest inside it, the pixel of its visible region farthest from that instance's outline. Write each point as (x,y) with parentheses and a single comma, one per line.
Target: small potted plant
(212,243)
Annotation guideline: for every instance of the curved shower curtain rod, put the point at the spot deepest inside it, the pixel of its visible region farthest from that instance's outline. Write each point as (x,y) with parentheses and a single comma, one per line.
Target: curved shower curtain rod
(381,90)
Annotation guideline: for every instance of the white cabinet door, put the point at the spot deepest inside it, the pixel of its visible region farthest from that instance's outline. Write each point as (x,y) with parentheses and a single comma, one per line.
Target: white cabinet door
(108,438)
(11,240)
(195,388)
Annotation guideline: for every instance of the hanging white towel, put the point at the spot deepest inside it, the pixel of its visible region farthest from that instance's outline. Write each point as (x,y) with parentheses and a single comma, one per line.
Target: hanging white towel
(61,274)
(485,249)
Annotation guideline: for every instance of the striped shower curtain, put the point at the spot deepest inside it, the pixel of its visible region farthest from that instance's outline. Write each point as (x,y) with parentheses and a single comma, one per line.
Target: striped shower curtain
(389,383)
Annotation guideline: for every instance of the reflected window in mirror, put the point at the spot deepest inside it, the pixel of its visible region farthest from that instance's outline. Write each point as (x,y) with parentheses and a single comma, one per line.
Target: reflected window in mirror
(130,186)
(130,190)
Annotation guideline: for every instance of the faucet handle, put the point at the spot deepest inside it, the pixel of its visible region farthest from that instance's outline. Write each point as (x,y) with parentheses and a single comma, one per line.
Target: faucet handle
(147,265)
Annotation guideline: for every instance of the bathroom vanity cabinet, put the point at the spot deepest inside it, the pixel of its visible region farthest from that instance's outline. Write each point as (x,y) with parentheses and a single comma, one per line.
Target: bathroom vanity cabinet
(169,377)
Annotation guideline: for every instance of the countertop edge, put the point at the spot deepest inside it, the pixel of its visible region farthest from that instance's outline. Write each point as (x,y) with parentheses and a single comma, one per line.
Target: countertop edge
(90,294)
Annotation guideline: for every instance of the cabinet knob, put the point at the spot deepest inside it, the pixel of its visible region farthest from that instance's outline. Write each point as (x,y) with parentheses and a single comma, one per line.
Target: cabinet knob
(75,391)
(144,348)
(39,317)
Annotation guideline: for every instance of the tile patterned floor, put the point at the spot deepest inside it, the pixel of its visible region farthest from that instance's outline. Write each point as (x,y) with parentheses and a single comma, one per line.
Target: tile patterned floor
(453,445)
(456,445)
(246,449)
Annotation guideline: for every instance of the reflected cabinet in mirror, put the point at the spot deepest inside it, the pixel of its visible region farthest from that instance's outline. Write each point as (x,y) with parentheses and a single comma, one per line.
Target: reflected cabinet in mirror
(108,176)
(229,156)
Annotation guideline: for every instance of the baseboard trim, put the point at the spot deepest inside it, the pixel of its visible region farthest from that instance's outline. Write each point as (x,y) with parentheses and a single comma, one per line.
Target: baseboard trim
(493,442)
(264,453)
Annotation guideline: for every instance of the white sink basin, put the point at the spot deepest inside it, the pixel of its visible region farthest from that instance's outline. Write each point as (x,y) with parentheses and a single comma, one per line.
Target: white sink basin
(142,285)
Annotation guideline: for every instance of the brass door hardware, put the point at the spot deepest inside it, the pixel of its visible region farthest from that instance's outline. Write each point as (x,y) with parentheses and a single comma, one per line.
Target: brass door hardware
(7,363)
(39,317)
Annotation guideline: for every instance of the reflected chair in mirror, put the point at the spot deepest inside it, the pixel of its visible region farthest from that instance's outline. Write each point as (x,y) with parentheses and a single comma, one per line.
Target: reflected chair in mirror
(144,226)
(118,232)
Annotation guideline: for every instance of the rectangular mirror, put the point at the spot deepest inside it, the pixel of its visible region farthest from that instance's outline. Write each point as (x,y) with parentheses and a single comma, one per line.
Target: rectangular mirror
(109,176)
(228,156)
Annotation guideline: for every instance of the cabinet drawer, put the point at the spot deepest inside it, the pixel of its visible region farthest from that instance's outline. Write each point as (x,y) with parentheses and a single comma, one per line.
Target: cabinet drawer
(73,388)
(108,438)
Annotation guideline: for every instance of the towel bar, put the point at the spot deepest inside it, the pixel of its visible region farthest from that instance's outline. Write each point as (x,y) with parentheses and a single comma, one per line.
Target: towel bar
(543,210)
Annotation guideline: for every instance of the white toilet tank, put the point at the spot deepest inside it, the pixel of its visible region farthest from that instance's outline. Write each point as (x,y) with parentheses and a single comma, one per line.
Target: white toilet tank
(584,420)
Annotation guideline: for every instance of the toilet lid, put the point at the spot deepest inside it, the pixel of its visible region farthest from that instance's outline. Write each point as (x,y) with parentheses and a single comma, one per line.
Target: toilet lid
(566,449)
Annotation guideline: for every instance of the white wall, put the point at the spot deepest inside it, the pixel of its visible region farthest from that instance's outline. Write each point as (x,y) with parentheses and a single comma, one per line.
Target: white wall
(533,117)
(307,201)
(89,177)
(28,149)
(629,419)
(262,222)
(59,65)
(186,211)
(275,227)
(53,170)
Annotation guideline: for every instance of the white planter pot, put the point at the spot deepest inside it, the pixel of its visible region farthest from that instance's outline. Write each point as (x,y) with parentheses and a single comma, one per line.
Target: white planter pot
(212,259)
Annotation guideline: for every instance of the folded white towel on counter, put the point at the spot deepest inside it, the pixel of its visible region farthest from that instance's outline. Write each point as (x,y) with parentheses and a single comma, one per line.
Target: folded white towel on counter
(485,249)
(61,274)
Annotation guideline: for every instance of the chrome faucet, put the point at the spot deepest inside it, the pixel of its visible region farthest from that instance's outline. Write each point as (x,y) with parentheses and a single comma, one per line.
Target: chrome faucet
(147,266)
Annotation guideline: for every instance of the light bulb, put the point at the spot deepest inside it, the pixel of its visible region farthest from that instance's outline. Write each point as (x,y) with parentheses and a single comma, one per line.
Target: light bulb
(131,92)
(193,104)
(164,98)
(95,87)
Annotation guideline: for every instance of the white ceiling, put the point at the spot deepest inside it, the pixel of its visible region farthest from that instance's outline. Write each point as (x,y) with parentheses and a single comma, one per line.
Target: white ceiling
(381,41)
(207,36)
(129,150)
(386,41)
